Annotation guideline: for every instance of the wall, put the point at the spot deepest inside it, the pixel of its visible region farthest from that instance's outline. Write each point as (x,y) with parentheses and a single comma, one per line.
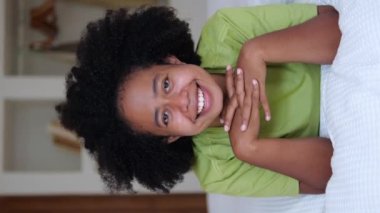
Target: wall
(43,86)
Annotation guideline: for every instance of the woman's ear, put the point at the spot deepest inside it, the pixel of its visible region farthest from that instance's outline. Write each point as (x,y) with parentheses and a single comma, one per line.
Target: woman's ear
(171,59)
(172,139)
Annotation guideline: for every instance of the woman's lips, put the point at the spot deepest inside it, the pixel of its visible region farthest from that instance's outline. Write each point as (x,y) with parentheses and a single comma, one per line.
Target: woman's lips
(207,100)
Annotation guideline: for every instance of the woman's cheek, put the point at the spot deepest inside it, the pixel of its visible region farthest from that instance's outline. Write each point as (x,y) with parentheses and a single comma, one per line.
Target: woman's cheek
(184,127)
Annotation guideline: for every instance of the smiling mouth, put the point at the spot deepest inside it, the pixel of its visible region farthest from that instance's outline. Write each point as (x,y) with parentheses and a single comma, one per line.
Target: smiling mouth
(201,101)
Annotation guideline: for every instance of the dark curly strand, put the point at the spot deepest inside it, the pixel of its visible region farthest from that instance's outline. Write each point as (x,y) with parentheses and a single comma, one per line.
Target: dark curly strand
(110,50)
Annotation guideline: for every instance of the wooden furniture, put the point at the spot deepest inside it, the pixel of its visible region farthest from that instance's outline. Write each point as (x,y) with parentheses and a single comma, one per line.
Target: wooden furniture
(180,203)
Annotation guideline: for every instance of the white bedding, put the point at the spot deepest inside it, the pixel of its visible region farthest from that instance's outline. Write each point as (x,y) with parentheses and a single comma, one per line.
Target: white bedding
(352,110)
(351,118)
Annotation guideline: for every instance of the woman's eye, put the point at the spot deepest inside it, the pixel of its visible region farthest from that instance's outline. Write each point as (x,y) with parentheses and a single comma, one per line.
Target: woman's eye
(165,118)
(166,85)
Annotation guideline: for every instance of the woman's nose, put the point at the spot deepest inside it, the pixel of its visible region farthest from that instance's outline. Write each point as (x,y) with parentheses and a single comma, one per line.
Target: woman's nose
(180,100)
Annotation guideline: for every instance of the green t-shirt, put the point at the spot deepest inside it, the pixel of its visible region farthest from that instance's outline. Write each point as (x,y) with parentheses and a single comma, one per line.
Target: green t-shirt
(293,91)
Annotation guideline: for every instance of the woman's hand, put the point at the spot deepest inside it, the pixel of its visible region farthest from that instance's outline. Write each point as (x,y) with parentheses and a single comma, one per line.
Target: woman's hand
(238,84)
(320,34)
(243,108)
(309,157)
(251,59)
(237,98)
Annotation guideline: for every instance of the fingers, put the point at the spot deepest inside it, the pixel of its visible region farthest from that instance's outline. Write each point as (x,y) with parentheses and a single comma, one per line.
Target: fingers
(239,87)
(255,116)
(246,110)
(235,91)
(229,113)
(264,102)
(230,81)
(244,98)
(255,94)
(230,86)
(240,97)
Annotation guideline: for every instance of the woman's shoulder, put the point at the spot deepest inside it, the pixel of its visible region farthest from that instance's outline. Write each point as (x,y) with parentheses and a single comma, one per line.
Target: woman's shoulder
(219,171)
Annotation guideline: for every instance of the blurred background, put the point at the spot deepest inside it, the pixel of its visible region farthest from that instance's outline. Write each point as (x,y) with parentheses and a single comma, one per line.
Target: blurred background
(39,160)
(42,166)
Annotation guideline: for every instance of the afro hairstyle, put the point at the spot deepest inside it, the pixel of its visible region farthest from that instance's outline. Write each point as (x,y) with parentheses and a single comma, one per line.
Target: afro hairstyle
(109,51)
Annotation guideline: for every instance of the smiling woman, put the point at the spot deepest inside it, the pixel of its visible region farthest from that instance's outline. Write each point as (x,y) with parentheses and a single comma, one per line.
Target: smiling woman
(93,108)
(149,110)
(171,100)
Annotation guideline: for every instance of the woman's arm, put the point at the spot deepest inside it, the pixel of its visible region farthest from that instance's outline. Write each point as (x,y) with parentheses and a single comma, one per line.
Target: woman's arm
(314,41)
(305,159)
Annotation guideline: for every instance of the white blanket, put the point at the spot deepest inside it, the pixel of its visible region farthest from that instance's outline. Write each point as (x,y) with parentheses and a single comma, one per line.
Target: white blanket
(351,115)
(352,109)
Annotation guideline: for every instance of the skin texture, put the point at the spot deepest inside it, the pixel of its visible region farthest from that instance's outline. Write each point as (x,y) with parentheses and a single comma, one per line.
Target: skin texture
(170,109)
(309,157)
(110,101)
(315,41)
(110,50)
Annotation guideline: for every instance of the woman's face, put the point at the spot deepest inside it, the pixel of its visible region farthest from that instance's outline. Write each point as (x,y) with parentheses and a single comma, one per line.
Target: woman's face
(171,100)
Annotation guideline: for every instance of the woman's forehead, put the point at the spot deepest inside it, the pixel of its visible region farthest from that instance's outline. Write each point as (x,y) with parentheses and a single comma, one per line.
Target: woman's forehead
(137,102)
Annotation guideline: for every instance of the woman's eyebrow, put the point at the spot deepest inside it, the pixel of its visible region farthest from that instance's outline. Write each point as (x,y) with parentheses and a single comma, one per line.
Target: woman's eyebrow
(156,111)
(154,84)
(157,117)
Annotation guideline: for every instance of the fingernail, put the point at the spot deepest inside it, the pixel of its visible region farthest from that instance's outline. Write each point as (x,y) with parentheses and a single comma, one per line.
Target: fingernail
(221,120)
(238,71)
(226,128)
(254,82)
(267,118)
(228,68)
(243,127)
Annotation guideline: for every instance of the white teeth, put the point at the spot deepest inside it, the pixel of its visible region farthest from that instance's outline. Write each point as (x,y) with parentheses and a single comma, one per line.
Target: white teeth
(201,100)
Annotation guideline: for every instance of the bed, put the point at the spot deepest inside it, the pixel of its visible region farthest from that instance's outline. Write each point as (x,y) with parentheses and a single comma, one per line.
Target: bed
(350,117)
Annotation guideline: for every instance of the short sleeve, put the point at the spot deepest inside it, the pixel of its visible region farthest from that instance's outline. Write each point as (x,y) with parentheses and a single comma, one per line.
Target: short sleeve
(228,29)
(216,167)
(219,171)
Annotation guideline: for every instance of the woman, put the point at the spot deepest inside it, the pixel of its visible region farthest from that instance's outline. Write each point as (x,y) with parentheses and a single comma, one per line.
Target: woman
(139,99)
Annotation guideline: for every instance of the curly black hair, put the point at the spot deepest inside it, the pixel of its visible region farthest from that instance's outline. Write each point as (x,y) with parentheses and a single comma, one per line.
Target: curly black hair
(109,51)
